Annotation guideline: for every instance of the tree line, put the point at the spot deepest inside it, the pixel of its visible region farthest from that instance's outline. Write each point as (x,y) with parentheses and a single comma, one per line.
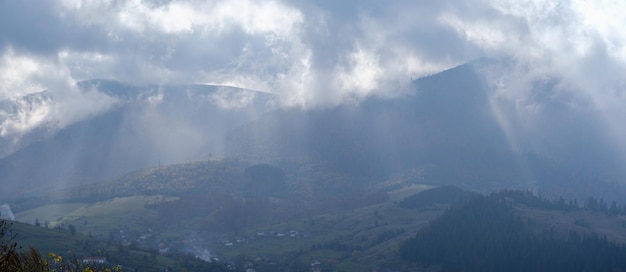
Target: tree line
(484,234)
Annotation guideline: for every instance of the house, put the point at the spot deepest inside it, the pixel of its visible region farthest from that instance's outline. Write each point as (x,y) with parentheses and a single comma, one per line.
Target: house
(316,266)
(94,260)
(163,251)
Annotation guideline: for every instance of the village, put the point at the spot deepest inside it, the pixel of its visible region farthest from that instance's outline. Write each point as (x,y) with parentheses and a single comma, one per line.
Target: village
(152,241)
(261,235)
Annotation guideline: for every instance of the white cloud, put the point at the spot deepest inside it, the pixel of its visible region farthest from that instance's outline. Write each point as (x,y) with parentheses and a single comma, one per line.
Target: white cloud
(280,47)
(27,115)
(185,17)
(362,73)
(579,45)
(16,70)
(227,98)
(316,54)
(62,104)
(568,39)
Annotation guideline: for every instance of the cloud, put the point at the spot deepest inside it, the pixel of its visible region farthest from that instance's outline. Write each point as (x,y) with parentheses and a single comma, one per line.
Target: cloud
(6,213)
(573,40)
(24,79)
(310,53)
(15,69)
(227,98)
(579,45)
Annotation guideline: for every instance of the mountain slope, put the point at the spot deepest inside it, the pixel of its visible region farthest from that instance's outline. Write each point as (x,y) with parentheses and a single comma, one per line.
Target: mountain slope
(453,129)
(151,125)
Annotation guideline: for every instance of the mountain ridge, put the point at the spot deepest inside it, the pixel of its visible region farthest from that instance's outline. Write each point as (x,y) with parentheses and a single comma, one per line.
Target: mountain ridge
(451,128)
(150,126)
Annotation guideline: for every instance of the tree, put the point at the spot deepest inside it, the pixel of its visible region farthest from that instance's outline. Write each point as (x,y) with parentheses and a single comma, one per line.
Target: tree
(11,259)
(14,260)
(72,229)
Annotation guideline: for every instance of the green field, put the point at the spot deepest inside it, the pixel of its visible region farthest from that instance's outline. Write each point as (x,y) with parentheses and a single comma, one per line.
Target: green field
(49,240)
(347,240)
(97,218)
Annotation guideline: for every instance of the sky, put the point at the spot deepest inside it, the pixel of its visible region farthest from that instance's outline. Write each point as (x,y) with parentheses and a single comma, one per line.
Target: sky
(310,53)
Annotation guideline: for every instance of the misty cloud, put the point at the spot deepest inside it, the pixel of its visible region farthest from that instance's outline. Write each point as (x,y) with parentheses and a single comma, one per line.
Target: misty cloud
(6,213)
(312,54)
(580,46)
(41,92)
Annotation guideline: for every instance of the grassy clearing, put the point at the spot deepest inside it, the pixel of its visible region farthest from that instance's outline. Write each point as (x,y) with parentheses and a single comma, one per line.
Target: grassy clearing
(78,246)
(48,240)
(48,213)
(97,218)
(581,221)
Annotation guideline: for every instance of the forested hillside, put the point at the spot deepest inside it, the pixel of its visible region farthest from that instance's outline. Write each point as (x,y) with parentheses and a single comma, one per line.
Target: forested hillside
(486,234)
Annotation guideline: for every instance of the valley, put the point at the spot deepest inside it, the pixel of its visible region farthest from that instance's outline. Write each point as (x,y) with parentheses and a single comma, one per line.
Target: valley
(188,209)
(259,188)
(312,136)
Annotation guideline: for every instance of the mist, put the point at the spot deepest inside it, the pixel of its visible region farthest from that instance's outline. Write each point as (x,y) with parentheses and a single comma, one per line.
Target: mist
(310,55)
(549,62)
(6,213)
(291,135)
(148,126)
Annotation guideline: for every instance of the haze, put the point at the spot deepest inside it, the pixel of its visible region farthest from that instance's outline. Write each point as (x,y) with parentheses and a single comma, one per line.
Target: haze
(180,127)
(311,53)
